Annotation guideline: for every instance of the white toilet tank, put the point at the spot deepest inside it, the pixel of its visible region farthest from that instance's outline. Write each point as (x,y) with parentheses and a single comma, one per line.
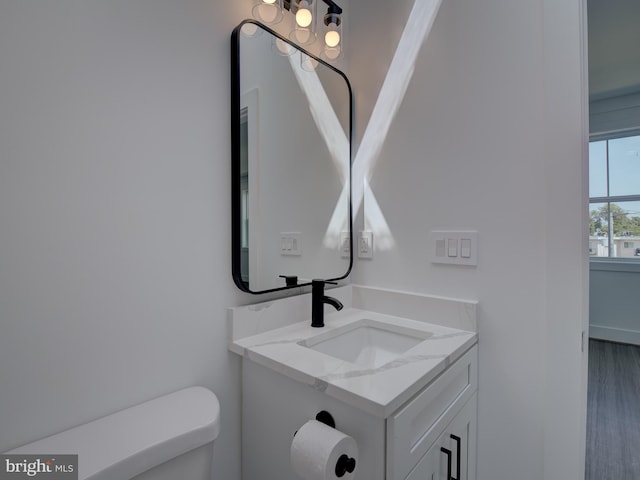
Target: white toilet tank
(167,438)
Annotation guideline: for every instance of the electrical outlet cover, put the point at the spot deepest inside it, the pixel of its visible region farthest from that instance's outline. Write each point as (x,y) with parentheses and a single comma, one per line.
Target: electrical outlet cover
(345,245)
(365,245)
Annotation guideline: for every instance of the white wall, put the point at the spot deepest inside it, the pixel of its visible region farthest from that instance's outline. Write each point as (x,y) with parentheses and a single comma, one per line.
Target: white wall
(613,305)
(490,136)
(115,266)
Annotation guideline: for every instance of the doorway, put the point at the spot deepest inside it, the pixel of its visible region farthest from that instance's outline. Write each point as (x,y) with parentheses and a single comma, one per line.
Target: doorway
(613,433)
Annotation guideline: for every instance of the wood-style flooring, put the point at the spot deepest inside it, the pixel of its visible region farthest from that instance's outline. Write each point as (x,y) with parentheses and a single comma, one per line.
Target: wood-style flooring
(613,412)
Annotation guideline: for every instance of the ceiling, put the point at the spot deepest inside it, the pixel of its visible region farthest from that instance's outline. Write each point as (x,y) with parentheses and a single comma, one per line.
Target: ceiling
(614,47)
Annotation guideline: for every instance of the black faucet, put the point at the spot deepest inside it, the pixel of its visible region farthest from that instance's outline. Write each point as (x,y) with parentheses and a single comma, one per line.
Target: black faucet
(318,299)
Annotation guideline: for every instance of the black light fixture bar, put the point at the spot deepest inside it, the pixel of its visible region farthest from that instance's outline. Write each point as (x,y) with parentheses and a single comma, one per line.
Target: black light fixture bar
(333,6)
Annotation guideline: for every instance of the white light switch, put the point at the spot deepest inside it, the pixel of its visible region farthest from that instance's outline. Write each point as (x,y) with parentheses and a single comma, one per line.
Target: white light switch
(452,244)
(465,248)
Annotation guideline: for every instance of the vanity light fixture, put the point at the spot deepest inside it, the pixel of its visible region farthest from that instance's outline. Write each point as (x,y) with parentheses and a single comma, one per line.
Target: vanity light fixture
(304,22)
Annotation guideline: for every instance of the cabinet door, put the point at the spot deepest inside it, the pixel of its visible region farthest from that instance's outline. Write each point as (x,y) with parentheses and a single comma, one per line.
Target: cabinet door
(453,454)
(417,425)
(458,445)
(428,468)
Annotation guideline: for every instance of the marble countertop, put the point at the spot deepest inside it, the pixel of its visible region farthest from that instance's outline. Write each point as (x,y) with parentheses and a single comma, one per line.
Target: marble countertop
(378,390)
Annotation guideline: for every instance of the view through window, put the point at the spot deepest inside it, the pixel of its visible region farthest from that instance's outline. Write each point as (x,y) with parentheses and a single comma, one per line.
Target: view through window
(614,191)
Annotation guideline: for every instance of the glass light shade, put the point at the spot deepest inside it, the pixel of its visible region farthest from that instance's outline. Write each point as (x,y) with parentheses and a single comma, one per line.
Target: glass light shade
(267,11)
(250,30)
(282,48)
(331,53)
(308,63)
(303,30)
(303,36)
(332,48)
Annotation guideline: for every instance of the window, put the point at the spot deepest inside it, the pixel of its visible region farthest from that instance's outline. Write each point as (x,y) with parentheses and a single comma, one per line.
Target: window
(614,191)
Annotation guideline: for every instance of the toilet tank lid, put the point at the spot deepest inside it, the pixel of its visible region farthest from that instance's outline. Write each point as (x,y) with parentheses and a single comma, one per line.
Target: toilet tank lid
(131,441)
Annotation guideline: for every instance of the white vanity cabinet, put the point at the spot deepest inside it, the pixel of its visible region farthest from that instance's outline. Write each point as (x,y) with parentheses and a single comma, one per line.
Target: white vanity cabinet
(404,445)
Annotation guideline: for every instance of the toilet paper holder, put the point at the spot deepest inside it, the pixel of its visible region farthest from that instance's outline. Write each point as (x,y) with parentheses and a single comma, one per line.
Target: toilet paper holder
(344,464)
(326,418)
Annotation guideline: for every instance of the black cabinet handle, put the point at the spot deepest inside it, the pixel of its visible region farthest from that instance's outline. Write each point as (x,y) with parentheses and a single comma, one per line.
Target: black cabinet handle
(447,452)
(458,441)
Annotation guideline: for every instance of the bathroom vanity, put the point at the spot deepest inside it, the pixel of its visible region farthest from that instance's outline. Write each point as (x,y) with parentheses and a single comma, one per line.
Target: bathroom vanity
(397,371)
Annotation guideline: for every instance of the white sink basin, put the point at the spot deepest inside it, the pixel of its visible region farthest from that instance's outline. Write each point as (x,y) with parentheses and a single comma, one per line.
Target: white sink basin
(367,343)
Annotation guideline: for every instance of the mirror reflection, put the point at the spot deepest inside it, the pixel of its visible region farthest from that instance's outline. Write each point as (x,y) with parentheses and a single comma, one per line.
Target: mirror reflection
(291,148)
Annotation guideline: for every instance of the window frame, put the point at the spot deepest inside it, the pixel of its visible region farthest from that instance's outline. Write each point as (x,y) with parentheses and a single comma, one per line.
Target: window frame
(615,199)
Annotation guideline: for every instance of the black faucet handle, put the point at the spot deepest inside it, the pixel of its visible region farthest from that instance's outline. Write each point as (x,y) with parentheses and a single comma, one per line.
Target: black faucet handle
(290,280)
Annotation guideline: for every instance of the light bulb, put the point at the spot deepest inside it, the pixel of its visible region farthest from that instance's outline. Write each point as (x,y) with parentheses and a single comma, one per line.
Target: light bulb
(304,17)
(332,38)
(270,2)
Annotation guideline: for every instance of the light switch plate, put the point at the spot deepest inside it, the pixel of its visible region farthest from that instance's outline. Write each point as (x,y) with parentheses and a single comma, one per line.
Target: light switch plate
(457,247)
(290,243)
(465,247)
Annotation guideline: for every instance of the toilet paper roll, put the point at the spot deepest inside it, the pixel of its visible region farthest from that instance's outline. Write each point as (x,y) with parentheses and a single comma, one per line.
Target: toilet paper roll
(316,448)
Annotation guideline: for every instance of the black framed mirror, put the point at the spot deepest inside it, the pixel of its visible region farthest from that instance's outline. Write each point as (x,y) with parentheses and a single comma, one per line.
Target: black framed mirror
(291,124)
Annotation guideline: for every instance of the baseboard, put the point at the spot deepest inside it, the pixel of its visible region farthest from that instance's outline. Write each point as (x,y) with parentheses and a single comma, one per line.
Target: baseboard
(611,334)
